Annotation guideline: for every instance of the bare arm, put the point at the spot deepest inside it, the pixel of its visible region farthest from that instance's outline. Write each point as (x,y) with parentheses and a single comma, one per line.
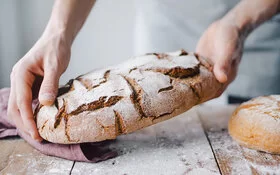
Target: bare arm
(223,41)
(68,16)
(45,63)
(249,14)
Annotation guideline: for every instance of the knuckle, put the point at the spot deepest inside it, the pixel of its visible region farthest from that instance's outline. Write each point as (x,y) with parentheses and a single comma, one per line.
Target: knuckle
(14,68)
(19,64)
(17,69)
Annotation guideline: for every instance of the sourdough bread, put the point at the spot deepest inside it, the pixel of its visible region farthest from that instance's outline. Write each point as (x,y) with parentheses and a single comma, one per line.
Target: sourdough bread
(140,92)
(256,124)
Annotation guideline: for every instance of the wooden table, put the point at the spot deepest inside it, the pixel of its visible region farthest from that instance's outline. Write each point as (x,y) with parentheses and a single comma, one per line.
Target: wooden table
(197,142)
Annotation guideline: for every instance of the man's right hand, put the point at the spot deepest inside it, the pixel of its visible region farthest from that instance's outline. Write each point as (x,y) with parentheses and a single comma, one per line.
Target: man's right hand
(42,66)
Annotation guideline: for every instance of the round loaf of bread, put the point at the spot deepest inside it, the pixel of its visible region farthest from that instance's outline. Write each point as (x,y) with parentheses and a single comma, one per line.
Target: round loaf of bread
(256,124)
(140,92)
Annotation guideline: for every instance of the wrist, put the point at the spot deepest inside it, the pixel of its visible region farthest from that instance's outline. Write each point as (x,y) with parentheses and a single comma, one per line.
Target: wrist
(243,26)
(60,32)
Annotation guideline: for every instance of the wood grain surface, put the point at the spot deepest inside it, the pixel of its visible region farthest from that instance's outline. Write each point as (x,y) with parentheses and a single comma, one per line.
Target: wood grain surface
(197,142)
(231,157)
(176,146)
(18,157)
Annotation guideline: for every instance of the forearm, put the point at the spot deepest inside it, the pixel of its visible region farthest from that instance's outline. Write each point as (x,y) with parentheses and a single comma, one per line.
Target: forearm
(248,14)
(68,16)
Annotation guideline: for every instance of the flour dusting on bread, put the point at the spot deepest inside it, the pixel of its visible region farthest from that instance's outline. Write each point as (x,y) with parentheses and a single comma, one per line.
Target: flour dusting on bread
(120,99)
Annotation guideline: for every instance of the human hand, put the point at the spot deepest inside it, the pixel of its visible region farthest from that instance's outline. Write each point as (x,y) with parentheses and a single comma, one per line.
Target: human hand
(222,43)
(37,73)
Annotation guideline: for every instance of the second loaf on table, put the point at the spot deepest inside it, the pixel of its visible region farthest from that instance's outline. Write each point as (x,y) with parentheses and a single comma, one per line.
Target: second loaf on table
(142,91)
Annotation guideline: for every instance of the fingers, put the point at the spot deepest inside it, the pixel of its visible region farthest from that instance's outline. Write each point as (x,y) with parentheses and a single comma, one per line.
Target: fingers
(221,65)
(49,87)
(221,70)
(221,44)
(13,113)
(24,103)
(220,62)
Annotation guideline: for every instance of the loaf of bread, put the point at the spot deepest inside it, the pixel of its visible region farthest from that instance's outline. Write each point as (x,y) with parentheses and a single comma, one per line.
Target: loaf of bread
(121,99)
(256,124)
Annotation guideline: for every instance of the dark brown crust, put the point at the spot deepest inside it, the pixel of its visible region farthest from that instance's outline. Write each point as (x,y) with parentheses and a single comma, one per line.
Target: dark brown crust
(160,55)
(87,83)
(162,115)
(132,69)
(37,109)
(56,103)
(183,53)
(173,73)
(66,88)
(190,77)
(136,99)
(177,72)
(135,95)
(119,124)
(165,89)
(95,105)
(196,93)
(195,85)
(166,56)
(60,114)
(44,124)
(204,62)
(168,88)
(69,87)
(66,129)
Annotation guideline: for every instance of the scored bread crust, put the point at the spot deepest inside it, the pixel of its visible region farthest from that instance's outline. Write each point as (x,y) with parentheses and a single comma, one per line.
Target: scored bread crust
(140,92)
(256,124)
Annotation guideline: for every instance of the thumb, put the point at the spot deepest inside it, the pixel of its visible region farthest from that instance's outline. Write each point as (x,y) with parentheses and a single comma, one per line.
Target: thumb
(49,87)
(221,69)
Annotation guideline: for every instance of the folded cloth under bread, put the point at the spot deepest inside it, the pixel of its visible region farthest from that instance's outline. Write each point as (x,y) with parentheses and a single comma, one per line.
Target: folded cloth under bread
(85,152)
